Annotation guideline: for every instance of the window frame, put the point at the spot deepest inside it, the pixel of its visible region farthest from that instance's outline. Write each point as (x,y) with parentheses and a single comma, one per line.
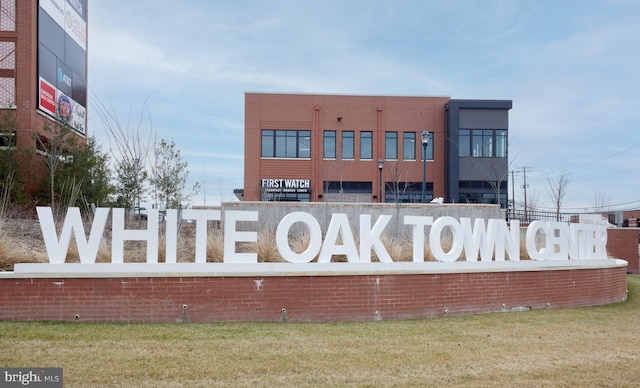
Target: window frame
(482,143)
(348,147)
(391,144)
(285,144)
(409,146)
(364,146)
(326,137)
(429,153)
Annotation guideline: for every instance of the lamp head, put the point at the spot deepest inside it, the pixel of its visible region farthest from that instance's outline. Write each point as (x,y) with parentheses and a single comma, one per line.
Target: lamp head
(380,163)
(424,136)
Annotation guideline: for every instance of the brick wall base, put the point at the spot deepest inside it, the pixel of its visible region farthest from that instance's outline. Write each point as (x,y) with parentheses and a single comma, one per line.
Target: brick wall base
(305,298)
(622,243)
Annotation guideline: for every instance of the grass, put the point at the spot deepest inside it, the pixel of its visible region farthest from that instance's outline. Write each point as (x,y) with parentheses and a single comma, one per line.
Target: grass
(596,346)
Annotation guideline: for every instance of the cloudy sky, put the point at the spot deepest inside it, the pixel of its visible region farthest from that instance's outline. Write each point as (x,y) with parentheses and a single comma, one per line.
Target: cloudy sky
(571,68)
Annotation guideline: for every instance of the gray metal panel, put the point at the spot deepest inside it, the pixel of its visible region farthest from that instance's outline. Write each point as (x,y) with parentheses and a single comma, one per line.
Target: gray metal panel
(484,118)
(483,169)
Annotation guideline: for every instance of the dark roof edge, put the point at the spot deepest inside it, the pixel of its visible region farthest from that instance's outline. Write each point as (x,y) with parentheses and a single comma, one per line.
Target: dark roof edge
(481,104)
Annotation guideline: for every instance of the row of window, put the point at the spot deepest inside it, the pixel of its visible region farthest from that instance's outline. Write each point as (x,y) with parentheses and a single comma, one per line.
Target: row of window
(366,145)
(297,144)
(483,143)
(286,144)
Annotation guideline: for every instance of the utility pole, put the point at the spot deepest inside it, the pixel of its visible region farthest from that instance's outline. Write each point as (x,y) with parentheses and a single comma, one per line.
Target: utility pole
(524,186)
(513,192)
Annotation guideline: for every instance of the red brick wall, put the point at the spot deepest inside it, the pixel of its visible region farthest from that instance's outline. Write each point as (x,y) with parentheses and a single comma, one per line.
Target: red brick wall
(317,113)
(305,298)
(622,243)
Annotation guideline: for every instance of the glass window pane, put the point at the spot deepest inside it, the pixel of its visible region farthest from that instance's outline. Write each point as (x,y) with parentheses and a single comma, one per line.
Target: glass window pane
(391,145)
(347,145)
(267,143)
(366,145)
(330,144)
(476,144)
(429,155)
(291,144)
(464,143)
(304,144)
(501,143)
(487,143)
(409,146)
(281,145)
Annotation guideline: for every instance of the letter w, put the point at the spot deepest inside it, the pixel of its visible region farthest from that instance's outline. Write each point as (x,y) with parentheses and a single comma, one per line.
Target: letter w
(57,248)
(497,237)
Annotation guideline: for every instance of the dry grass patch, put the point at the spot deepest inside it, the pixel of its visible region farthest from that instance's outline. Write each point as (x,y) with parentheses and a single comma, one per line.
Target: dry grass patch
(11,252)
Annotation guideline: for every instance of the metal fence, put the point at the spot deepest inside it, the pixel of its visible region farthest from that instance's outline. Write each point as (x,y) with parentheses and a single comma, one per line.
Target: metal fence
(537,215)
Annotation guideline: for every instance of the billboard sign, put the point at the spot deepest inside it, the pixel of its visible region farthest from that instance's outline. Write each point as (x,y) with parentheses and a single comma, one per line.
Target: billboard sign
(62,61)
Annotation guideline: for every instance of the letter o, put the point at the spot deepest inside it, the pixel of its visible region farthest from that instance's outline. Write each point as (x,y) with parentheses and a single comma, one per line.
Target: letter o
(282,237)
(435,235)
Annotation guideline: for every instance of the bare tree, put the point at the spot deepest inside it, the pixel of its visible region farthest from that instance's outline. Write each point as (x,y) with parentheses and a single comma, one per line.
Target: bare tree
(399,183)
(53,146)
(558,185)
(398,179)
(131,145)
(601,201)
(532,205)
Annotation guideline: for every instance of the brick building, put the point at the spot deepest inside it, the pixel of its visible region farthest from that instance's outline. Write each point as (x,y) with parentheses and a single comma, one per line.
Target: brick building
(343,148)
(43,74)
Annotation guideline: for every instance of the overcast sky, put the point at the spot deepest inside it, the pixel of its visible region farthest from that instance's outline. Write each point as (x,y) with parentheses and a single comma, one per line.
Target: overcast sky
(571,68)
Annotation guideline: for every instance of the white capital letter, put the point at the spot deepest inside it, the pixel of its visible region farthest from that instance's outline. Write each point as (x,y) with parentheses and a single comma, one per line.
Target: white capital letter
(370,238)
(231,236)
(435,239)
(150,235)
(57,249)
(282,237)
(202,217)
(339,225)
(418,222)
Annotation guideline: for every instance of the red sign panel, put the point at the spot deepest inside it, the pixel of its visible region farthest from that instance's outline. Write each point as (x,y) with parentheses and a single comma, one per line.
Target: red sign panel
(47,97)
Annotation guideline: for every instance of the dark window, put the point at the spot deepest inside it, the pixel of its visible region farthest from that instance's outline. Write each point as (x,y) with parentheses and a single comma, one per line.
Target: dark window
(366,145)
(330,144)
(429,151)
(7,139)
(348,144)
(409,145)
(347,187)
(286,197)
(391,145)
(501,143)
(286,144)
(482,143)
(407,192)
(304,144)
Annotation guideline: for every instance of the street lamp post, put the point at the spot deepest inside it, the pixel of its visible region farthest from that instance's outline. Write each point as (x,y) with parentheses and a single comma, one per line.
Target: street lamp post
(380,163)
(424,136)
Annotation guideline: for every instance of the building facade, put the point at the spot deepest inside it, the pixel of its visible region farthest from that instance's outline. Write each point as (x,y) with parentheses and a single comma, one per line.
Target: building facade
(342,148)
(43,75)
